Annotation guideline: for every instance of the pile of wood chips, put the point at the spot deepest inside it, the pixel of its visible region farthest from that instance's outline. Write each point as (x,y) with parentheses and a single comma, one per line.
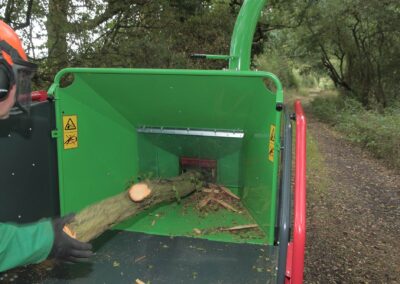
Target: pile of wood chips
(215,197)
(221,196)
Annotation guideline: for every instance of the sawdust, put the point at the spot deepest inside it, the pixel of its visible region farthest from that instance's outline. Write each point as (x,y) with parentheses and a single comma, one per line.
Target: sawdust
(34,271)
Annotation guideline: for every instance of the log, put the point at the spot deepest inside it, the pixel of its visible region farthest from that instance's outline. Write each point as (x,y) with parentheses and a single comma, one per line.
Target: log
(96,219)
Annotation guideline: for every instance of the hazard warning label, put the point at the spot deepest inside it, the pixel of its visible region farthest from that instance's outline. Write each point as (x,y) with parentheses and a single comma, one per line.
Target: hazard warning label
(71,123)
(70,129)
(271,143)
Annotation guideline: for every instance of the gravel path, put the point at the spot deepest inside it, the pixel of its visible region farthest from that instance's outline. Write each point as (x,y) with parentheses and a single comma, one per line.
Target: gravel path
(354,222)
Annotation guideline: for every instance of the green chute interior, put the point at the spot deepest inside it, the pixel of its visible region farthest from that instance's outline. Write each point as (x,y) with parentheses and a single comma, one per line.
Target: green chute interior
(112,104)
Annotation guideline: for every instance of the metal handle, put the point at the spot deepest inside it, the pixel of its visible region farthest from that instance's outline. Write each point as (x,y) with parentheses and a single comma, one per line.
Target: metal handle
(295,257)
(39,96)
(211,56)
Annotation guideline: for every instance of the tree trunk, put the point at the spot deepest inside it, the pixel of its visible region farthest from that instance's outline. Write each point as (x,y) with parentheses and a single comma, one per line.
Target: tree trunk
(57,26)
(96,219)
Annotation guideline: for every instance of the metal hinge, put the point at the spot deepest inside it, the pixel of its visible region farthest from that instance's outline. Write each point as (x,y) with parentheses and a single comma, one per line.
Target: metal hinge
(55,133)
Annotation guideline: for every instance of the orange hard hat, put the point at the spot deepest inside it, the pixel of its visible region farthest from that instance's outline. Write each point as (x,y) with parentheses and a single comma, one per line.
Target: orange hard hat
(14,49)
(14,67)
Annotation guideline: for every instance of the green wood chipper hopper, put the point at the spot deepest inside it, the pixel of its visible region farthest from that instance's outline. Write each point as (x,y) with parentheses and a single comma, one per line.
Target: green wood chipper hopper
(114,126)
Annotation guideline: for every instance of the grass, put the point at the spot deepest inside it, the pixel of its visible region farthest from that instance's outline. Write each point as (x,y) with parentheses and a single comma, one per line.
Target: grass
(377,132)
(317,174)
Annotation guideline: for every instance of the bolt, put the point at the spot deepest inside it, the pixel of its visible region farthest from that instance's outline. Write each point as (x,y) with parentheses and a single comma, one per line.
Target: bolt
(13,174)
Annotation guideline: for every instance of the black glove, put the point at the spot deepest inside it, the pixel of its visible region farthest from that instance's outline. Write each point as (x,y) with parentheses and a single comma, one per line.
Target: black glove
(66,248)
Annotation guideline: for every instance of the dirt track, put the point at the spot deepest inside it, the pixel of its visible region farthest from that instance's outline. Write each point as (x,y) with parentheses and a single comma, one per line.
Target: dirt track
(354,220)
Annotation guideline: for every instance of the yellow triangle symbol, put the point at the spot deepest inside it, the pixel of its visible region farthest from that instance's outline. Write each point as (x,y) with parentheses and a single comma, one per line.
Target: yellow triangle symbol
(70,125)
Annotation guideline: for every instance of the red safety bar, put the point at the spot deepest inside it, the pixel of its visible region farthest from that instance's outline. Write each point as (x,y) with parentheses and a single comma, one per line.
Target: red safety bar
(39,96)
(295,254)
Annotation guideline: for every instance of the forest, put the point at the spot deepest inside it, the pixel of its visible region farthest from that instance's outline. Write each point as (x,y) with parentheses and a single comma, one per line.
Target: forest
(353,43)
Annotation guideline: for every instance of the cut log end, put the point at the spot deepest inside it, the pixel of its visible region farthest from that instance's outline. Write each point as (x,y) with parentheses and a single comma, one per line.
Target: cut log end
(69,232)
(138,192)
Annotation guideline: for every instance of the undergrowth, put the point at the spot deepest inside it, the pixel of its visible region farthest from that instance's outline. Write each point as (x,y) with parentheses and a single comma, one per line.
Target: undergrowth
(375,131)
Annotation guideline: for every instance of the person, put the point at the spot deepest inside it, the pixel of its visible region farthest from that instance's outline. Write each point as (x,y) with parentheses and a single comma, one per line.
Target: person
(30,243)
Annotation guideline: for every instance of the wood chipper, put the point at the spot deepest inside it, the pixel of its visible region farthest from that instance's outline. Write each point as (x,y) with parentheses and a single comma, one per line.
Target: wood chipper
(113,127)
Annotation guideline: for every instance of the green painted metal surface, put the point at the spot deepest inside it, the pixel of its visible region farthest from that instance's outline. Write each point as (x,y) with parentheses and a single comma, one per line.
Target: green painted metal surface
(159,154)
(111,104)
(182,219)
(243,33)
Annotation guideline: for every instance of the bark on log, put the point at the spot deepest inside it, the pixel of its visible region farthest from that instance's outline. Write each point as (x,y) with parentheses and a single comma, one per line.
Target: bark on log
(96,219)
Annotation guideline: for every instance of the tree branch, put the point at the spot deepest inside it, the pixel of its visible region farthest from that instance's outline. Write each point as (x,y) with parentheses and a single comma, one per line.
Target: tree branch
(9,11)
(113,8)
(27,17)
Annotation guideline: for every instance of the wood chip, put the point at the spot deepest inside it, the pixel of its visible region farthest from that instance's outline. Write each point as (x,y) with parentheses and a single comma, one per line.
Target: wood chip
(197,231)
(204,202)
(116,263)
(226,205)
(228,192)
(140,258)
(138,281)
(241,227)
(210,190)
(213,186)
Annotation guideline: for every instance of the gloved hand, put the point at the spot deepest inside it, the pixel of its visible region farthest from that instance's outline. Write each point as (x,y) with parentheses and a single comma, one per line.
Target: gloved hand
(66,248)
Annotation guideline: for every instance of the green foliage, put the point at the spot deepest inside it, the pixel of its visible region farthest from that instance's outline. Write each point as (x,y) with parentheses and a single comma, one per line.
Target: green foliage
(353,42)
(122,33)
(375,131)
(280,66)
(356,48)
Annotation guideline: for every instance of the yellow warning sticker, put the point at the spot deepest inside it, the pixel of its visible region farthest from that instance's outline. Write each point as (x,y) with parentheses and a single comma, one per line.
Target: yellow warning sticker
(70,128)
(272,133)
(271,143)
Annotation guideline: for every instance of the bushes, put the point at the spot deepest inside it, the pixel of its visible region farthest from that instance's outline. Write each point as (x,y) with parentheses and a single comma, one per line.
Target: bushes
(377,132)
(280,66)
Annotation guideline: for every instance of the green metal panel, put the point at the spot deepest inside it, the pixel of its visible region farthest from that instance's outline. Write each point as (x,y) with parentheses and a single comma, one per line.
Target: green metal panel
(112,103)
(88,173)
(243,33)
(156,149)
(181,219)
